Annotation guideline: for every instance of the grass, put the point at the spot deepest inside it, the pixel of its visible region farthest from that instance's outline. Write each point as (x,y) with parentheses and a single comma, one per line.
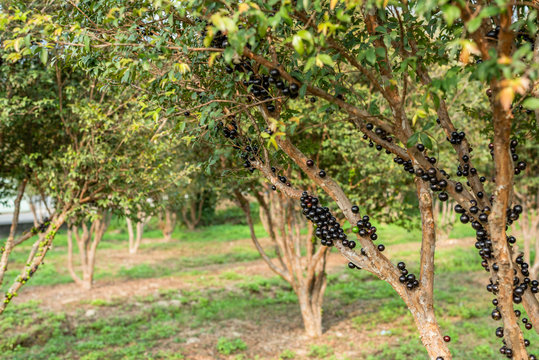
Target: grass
(54,271)
(138,328)
(157,326)
(227,346)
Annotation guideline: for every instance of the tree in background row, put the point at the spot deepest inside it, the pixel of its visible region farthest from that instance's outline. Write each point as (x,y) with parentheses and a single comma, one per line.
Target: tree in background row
(83,145)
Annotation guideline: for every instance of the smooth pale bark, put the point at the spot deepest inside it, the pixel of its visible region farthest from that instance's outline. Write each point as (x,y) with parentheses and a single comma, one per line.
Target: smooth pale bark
(306,274)
(135,237)
(87,243)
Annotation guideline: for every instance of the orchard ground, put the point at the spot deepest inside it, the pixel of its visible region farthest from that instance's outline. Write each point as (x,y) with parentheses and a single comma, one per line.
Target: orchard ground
(207,295)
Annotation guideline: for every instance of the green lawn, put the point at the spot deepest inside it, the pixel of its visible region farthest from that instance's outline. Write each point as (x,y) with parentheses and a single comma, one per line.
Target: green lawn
(161,326)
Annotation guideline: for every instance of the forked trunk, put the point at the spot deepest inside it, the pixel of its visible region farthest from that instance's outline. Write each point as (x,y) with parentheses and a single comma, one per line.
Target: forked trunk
(305,273)
(135,237)
(87,243)
(192,214)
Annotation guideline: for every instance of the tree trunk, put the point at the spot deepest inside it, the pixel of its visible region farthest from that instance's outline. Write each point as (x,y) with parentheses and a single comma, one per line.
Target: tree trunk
(311,313)
(428,328)
(167,222)
(70,266)
(130,233)
(306,274)
(87,243)
(192,214)
(445,217)
(135,237)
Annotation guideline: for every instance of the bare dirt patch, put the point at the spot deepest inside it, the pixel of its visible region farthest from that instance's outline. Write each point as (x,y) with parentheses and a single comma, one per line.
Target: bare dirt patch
(66,297)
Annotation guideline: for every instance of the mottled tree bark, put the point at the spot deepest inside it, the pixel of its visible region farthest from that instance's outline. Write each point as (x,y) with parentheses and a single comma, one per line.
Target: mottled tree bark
(87,243)
(135,237)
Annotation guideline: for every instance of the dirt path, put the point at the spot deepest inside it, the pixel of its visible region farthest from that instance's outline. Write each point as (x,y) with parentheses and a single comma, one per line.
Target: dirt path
(67,297)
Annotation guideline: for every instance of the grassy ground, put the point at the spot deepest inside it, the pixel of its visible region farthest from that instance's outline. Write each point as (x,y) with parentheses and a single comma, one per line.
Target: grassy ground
(237,309)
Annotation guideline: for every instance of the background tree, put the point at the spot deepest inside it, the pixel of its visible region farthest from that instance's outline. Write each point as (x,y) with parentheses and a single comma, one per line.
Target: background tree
(135,236)
(87,241)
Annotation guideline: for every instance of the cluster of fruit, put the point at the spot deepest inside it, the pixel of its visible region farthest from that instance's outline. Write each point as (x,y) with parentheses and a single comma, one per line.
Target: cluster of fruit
(260,85)
(281,178)
(520,165)
(248,152)
(44,225)
(513,214)
(364,228)
(500,332)
(406,278)
(381,133)
(456,137)
(230,130)
(328,229)
(436,184)
(473,210)
(249,155)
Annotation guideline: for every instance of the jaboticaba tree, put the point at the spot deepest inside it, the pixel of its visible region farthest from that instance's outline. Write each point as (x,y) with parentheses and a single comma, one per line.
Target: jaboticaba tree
(429,84)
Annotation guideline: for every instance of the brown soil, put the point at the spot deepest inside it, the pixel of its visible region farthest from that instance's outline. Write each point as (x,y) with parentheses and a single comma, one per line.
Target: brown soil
(66,297)
(266,337)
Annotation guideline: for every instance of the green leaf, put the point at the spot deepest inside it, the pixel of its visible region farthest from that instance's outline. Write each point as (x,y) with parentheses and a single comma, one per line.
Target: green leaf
(309,64)
(371,56)
(428,126)
(451,13)
(228,54)
(474,24)
(297,43)
(305,35)
(44,56)
(326,59)
(531,103)
(412,140)
(425,140)
(490,11)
